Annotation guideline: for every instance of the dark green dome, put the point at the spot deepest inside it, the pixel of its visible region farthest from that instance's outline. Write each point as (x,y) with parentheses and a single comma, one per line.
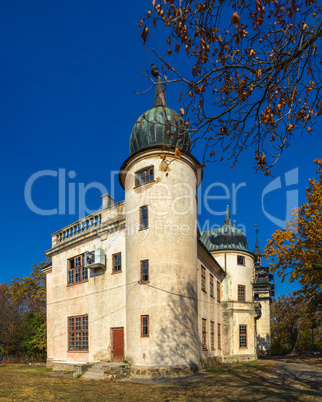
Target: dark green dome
(159,126)
(226,237)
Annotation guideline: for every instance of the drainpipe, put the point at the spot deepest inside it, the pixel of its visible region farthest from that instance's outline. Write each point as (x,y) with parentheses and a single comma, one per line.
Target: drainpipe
(226,287)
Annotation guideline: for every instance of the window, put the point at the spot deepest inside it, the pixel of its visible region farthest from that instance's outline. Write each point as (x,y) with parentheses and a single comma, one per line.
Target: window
(218,292)
(78,333)
(243,336)
(219,336)
(241,293)
(144,271)
(211,285)
(212,333)
(144,176)
(204,334)
(240,260)
(77,273)
(203,278)
(144,325)
(144,217)
(117,263)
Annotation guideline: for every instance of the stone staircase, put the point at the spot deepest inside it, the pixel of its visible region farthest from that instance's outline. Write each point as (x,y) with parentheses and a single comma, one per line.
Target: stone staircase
(106,371)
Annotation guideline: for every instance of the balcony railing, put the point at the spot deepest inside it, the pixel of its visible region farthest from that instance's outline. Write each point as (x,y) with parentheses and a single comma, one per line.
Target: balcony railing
(86,224)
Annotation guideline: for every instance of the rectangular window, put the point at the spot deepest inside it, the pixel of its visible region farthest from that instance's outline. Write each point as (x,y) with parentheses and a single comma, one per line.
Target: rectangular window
(204,334)
(78,333)
(77,273)
(219,336)
(117,262)
(241,293)
(144,217)
(211,285)
(218,292)
(212,332)
(203,278)
(144,271)
(144,176)
(240,260)
(144,325)
(243,336)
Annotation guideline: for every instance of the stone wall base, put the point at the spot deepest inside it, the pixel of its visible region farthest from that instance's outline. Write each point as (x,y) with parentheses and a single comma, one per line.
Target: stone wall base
(238,358)
(163,372)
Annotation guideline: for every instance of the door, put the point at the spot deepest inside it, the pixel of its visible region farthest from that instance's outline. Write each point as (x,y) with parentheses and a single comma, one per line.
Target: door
(118,344)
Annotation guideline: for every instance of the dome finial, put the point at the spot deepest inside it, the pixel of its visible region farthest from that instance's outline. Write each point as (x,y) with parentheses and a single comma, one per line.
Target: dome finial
(227,217)
(257,251)
(159,99)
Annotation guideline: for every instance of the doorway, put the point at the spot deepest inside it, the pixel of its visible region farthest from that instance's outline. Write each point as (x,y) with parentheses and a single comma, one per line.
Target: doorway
(118,344)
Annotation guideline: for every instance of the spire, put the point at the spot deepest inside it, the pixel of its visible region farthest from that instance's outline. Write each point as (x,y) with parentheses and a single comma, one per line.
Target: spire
(159,99)
(227,217)
(257,251)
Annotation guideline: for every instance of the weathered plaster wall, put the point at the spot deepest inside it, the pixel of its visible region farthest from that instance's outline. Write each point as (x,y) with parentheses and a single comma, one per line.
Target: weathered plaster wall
(209,308)
(235,313)
(263,324)
(170,298)
(102,297)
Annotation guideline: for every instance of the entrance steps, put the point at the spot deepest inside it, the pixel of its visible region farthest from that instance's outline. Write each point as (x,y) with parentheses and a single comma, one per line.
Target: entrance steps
(106,371)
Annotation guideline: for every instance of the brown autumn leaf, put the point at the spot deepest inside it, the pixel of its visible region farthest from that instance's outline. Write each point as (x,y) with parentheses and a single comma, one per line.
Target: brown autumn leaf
(212,153)
(177,152)
(203,166)
(235,19)
(163,156)
(139,122)
(182,111)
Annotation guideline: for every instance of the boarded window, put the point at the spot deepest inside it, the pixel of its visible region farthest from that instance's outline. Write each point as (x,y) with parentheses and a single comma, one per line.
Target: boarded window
(211,285)
(117,262)
(144,217)
(78,333)
(212,333)
(145,325)
(219,336)
(204,334)
(145,271)
(243,336)
(203,278)
(77,273)
(218,292)
(241,293)
(144,176)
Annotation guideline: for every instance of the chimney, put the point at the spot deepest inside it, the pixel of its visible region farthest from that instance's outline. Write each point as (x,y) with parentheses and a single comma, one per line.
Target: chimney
(107,201)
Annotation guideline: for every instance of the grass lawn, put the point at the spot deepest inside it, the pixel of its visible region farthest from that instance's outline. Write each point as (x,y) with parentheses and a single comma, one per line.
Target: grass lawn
(261,380)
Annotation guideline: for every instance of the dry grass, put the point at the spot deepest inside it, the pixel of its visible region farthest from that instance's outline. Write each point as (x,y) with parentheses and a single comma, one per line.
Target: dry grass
(261,380)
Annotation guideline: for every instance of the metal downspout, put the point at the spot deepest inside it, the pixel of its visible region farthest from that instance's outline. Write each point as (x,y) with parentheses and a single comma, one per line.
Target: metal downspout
(226,286)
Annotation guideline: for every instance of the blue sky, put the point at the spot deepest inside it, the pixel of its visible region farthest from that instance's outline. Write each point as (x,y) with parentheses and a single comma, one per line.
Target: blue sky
(69,70)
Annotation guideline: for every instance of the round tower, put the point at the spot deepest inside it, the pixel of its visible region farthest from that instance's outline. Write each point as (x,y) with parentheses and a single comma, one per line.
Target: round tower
(160,179)
(228,245)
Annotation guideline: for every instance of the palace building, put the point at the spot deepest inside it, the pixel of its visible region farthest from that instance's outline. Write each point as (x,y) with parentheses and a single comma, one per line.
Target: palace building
(137,282)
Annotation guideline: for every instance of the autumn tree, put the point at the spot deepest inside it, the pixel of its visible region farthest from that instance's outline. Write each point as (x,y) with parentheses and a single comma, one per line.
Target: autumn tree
(23,315)
(292,326)
(252,74)
(296,250)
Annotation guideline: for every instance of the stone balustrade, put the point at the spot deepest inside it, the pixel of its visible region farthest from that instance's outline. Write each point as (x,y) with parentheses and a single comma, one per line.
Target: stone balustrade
(82,226)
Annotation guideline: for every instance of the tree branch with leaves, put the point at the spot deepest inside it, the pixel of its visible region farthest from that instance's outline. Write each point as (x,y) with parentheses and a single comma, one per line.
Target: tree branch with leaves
(296,250)
(253,72)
